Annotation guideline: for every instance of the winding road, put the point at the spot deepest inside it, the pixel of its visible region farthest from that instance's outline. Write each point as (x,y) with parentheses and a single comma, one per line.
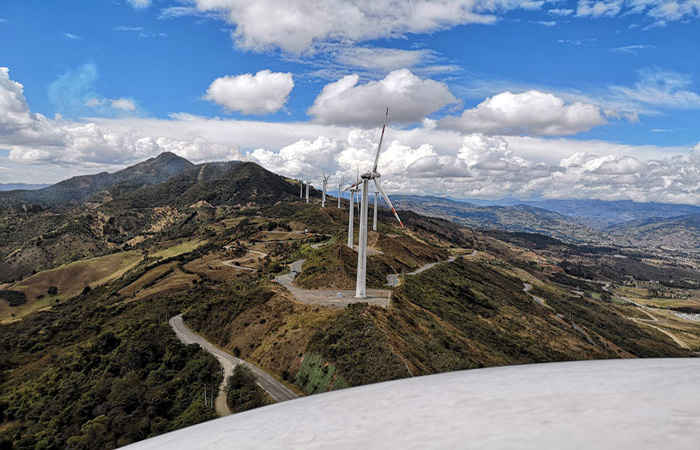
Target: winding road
(274,388)
(652,318)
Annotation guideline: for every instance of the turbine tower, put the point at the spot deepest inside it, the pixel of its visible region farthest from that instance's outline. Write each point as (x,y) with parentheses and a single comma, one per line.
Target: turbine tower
(340,186)
(308,182)
(351,222)
(361,285)
(325,185)
(301,187)
(374,223)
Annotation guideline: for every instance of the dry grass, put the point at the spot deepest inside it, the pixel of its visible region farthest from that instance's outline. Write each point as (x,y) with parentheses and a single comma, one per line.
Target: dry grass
(146,278)
(183,246)
(70,280)
(211,266)
(176,281)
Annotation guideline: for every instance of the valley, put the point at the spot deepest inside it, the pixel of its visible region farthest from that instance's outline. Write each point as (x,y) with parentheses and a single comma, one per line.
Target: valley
(230,252)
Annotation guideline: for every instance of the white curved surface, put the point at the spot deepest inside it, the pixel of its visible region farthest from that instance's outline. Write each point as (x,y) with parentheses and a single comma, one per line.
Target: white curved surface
(611,404)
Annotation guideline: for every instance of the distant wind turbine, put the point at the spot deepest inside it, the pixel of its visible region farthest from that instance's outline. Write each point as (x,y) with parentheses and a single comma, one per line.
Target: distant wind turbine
(340,186)
(361,285)
(308,182)
(325,185)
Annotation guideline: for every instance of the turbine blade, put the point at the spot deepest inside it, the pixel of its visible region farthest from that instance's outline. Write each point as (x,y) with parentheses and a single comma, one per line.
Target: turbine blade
(378,184)
(381,139)
(354,185)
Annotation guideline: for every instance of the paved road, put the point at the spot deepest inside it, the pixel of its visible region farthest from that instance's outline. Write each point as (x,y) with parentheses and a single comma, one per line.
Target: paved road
(274,388)
(394,280)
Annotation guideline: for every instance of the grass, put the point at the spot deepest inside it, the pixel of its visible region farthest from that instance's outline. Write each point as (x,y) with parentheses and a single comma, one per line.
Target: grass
(70,279)
(178,249)
(175,281)
(316,376)
(147,278)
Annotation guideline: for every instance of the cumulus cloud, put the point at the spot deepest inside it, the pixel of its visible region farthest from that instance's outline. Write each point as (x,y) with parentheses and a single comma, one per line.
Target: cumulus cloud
(263,93)
(531,112)
(408,97)
(297,25)
(35,139)
(456,164)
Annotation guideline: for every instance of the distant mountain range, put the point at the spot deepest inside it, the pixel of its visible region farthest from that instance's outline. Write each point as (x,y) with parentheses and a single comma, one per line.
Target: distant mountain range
(593,221)
(516,218)
(25,186)
(598,214)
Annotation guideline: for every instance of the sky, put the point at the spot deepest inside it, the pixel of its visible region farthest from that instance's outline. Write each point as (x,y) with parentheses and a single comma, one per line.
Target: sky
(487,98)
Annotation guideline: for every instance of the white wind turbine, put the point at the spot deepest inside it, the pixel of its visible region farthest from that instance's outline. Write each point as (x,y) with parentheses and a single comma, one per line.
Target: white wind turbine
(374,223)
(325,185)
(301,187)
(351,222)
(340,186)
(361,285)
(308,182)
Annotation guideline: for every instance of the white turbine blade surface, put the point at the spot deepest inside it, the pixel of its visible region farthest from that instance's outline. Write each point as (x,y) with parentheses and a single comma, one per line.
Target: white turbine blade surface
(386,198)
(381,139)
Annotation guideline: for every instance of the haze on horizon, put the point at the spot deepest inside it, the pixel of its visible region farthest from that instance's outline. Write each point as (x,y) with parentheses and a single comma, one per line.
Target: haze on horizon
(526,99)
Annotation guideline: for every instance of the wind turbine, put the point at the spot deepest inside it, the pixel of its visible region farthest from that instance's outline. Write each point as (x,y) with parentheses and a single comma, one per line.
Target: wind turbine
(301,187)
(361,285)
(351,222)
(325,184)
(308,182)
(374,223)
(340,186)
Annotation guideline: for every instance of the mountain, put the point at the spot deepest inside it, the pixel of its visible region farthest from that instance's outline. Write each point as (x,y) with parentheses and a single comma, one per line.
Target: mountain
(599,214)
(229,183)
(676,232)
(81,188)
(25,186)
(517,218)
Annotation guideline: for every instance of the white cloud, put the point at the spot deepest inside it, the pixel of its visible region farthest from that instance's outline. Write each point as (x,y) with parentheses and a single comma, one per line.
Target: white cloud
(531,112)
(633,49)
(140,4)
(587,8)
(124,104)
(263,93)
(298,25)
(659,87)
(547,23)
(661,11)
(408,97)
(72,36)
(382,59)
(560,12)
(458,165)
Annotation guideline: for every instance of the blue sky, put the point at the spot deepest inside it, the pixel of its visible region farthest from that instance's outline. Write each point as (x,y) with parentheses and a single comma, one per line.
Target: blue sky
(600,96)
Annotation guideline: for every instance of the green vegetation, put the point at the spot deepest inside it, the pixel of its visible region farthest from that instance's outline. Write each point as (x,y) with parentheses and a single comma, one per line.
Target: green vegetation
(95,375)
(315,375)
(242,392)
(356,347)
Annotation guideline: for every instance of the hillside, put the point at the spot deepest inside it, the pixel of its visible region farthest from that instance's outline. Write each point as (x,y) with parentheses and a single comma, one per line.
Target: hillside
(516,218)
(87,358)
(675,233)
